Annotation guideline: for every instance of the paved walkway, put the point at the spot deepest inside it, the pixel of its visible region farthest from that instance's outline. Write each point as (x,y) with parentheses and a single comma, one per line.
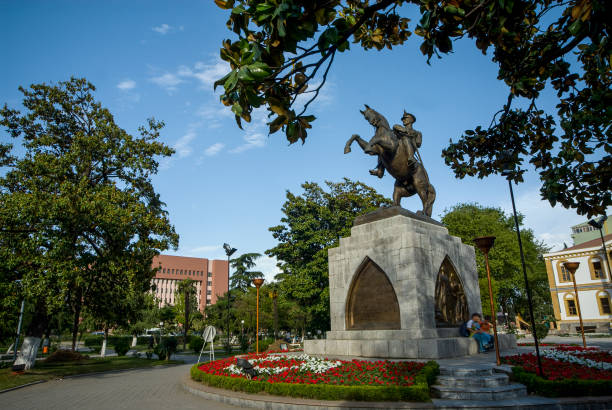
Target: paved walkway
(147,389)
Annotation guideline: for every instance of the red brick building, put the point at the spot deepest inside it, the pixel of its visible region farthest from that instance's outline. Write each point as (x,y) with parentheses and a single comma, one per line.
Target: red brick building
(210,277)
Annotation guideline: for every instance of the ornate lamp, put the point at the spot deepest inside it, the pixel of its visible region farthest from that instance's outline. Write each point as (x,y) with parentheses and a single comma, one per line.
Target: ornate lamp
(485,243)
(572,267)
(229,251)
(257,282)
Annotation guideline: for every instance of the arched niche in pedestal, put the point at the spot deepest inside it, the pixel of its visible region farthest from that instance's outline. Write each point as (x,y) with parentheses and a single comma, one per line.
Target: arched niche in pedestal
(371,303)
(451,302)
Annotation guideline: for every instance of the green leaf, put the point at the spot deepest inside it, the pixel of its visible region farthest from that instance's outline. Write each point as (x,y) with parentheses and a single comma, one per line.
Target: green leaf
(231,81)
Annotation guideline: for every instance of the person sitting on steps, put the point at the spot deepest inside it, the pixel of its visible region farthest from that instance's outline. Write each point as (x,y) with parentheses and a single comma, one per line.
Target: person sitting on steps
(485,340)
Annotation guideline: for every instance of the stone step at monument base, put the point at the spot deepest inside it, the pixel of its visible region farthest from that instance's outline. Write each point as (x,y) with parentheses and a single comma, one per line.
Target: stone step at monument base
(366,344)
(493,380)
(506,392)
(524,402)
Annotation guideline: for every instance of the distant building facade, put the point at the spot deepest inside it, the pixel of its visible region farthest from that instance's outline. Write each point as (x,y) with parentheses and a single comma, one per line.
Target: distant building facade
(593,283)
(584,232)
(210,277)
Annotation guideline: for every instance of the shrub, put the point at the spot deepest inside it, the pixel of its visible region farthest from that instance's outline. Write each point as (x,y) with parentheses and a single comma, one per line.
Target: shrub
(263,344)
(121,346)
(196,343)
(244,344)
(65,356)
(93,341)
(166,348)
(560,388)
(419,391)
(541,330)
(143,340)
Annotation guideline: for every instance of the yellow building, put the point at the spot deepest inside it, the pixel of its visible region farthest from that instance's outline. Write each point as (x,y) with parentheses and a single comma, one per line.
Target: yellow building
(594,285)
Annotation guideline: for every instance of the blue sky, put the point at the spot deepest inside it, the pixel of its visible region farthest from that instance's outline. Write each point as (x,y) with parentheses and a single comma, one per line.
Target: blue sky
(155,58)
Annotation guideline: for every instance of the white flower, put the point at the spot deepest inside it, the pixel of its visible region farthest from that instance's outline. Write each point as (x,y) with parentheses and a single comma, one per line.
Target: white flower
(574,357)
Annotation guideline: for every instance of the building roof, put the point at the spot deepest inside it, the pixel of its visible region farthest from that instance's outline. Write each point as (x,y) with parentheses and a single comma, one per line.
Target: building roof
(590,244)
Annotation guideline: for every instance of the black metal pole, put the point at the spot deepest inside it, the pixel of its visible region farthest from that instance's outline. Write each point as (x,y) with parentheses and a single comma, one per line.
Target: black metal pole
(605,254)
(228,300)
(529,302)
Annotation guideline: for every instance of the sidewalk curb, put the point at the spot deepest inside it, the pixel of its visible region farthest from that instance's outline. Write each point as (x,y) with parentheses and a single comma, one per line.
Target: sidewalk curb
(21,386)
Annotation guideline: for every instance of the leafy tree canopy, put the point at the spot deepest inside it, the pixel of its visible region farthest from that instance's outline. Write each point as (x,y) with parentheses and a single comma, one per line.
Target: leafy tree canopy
(312,223)
(469,221)
(243,276)
(286,48)
(80,220)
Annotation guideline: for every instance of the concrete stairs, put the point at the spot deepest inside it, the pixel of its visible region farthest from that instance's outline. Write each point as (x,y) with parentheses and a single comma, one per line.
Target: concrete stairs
(481,386)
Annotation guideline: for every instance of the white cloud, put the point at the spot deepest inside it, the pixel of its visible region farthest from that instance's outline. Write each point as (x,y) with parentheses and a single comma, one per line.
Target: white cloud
(163,29)
(205,74)
(267,265)
(251,141)
(214,149)
(182,146)
(168,81)
(126,85)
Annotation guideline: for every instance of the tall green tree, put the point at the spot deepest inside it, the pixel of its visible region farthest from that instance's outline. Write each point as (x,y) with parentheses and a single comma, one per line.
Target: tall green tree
(312,223)
(468,221)
(186,304)
(285,48)
(81,219)
(243,276)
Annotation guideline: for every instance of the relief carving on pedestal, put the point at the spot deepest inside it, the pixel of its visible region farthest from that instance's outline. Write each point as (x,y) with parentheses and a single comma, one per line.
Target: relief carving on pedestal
(451,302)
(372,302)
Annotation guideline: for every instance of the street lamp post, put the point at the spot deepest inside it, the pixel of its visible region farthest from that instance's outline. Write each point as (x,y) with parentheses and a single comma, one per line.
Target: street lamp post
(527,289)
(572,267)
(229,251)
(257,282)
(485,243)
(599,225)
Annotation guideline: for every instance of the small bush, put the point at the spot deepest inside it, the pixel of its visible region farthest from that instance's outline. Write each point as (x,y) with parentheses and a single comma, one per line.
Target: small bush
(244,344)
(196,343)
(65,356)
(121,346)
(166,348)
(143,340)
(93,341)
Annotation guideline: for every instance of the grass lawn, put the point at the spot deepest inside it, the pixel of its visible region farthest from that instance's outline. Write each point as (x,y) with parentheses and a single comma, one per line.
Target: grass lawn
(47,371)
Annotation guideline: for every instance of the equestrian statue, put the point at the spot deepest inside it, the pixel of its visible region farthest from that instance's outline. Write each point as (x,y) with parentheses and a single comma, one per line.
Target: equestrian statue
(397,150)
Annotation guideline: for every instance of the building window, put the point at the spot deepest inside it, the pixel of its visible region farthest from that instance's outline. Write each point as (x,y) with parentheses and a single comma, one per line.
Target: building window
(208,301)
(603,300)
(570,305)
(209,283)
(596,266)
(209,292)
(563,274)
(210,274)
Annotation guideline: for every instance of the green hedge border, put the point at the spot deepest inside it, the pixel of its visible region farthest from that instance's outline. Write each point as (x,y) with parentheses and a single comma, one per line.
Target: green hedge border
(561,388)
(417,392)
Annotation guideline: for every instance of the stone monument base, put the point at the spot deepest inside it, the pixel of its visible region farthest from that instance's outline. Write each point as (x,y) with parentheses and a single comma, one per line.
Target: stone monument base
(399,287)
(398,344)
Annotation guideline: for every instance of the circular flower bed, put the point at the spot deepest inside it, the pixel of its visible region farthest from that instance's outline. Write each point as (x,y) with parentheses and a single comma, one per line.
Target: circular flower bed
(311,370)
(311,377)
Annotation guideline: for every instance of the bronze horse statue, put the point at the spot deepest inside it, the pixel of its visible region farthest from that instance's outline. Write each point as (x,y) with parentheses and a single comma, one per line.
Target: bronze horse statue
(397,152)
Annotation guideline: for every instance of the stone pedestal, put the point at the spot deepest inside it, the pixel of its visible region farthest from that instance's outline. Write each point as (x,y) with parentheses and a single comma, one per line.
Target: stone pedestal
(382,283)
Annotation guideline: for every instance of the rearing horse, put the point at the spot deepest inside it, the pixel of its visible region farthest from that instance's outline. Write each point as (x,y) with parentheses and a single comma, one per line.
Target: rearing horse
(396,155)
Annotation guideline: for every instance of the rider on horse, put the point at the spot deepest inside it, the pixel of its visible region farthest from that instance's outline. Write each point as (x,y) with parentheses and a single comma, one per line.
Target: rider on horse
(406,135)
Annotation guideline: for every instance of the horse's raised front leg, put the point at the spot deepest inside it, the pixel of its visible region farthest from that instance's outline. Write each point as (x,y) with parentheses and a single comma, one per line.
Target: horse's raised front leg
(362,143)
